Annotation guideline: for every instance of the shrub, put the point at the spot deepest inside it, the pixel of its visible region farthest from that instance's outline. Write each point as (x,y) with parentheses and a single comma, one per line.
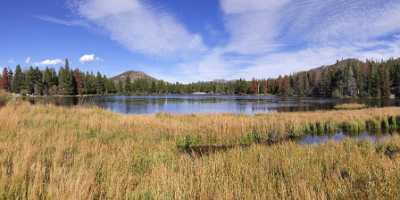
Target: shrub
(250,138)
(187,142)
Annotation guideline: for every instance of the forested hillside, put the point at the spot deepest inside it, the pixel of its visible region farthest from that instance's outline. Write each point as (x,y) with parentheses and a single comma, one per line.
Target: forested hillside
(346,78)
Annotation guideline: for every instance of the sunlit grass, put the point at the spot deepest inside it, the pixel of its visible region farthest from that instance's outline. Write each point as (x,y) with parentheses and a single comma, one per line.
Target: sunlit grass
(49,152)
(350,106)
(4,97)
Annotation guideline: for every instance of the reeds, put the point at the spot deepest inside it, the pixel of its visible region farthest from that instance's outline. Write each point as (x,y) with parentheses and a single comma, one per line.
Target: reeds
(49,152)
(350,106)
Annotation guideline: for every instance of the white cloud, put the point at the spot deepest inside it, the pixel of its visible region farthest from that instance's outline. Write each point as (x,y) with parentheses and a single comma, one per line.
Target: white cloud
(28,60)
(252,24)
(63,21)
(87,58)
(216,65)
(345,21)
(271,37)
(50,62)
(241,6)
(140,27)
(266,37)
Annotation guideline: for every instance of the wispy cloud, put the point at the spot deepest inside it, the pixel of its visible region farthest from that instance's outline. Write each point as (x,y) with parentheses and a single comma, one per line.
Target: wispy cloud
(271,37)
(140,27)
(266,37)
(63,21)
(28,60)
(50,62)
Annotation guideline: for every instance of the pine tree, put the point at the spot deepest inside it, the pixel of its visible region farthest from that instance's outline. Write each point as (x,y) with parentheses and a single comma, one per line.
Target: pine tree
(374,82)
(38,81)
(396,79)
(29,85)
(10,79)
(47,80)
(100,87)
(284,86)
(384,82)
(351,84)
(5,80)
(254,88)
(78,82)
(265,87)
(66,81)
(19,79)
(128,83)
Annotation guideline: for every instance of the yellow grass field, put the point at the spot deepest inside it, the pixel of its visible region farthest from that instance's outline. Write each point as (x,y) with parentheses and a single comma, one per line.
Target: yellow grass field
(49,152)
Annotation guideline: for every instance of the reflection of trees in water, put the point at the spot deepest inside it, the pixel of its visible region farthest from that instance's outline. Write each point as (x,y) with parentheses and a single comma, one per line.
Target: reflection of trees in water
(193,104)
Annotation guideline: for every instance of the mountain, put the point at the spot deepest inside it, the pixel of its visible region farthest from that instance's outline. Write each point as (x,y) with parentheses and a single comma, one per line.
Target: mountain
(133,75)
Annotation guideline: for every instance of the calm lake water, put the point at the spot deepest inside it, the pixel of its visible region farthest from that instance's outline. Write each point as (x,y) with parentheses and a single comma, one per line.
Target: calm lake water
(340,136)
(187,104)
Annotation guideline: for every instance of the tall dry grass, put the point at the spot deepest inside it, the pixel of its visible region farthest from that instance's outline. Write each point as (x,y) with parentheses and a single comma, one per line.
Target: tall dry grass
(49,152)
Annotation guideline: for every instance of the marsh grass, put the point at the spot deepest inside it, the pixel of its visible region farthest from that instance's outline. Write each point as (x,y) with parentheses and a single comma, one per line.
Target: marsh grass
(350,106)
(49,152)
(4,97)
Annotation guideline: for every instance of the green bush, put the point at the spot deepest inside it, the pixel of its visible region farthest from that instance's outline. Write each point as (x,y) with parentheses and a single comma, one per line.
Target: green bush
(250,138)
(187,142)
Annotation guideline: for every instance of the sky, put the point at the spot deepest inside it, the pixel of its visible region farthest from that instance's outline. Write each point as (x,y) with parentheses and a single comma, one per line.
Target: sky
(197,40)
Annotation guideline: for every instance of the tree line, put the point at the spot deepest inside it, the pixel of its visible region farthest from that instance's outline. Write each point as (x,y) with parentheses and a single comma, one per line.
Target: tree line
(66,81)
(346,78)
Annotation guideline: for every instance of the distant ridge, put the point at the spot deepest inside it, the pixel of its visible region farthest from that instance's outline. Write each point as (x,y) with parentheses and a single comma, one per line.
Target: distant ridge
(133,75)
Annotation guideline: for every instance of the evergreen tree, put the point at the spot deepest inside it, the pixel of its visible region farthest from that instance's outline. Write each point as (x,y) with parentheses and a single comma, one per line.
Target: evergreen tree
(5,80)
(265,87)
(351,84)
(10,80)
(384,82)
(18,80)
(128,88)
(284,86)
(396,79)
(78,82)
(66,80)
(47,81)
(374,82)
(100,87)
(255,87)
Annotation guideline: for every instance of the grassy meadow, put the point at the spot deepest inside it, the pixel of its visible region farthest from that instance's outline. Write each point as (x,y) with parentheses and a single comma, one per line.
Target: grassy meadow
(49,152)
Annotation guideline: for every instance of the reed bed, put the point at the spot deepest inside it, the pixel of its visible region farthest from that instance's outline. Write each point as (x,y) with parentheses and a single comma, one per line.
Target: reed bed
(350,106)
(49,152)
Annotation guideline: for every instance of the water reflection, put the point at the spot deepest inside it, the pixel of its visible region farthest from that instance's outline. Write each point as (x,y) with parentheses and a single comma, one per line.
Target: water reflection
(205,104)
(314,139)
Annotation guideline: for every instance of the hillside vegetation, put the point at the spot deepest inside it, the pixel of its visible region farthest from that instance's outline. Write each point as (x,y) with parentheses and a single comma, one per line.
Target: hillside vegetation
(49,152)
(131,76)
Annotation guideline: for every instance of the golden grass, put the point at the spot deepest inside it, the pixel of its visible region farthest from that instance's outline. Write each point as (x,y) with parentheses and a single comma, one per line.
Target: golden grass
(49,152)
(350,106)
(4,97)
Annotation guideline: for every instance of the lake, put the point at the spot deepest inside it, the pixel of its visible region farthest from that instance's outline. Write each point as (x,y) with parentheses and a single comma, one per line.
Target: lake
(340,136)
(188,104)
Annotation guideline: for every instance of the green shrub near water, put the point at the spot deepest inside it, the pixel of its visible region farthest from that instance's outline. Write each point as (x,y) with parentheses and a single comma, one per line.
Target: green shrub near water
(251,138)
(187,142)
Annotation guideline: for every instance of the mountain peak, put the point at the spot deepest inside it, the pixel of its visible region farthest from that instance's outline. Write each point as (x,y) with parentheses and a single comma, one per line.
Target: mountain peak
(133,75)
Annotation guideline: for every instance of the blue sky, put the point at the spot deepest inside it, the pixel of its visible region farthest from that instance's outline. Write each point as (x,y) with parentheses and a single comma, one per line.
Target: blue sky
(181,40)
